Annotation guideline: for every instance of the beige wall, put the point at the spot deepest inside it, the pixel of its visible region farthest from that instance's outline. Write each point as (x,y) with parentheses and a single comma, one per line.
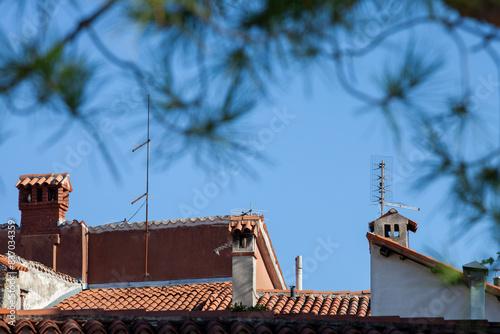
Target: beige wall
(263,278)
(407,289)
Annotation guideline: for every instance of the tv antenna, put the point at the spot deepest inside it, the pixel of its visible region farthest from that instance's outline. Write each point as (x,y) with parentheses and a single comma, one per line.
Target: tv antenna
(146,194)
(382,182)
(246,212)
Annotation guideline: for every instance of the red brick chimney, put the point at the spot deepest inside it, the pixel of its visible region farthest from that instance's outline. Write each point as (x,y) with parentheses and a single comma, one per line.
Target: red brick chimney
(43,201)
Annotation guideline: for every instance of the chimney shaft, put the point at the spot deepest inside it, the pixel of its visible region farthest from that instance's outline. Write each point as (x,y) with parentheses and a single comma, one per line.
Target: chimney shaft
(298,272)
(475,274)
(244,263)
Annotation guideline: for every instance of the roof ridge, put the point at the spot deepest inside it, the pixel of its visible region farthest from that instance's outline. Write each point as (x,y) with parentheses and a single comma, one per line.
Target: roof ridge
(30,264)
(69,223)
(158,223)
(6,225)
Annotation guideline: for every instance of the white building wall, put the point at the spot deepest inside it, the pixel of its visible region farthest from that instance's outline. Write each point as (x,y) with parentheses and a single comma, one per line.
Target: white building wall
(44,288)
(407,289)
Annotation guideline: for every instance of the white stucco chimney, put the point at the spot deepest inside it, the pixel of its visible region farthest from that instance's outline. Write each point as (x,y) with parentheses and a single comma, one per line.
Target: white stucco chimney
(475,274)
(298,272)
(244,263)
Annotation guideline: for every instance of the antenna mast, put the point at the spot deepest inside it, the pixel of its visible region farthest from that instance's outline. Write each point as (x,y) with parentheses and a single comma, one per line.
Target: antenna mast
(146,273)
(381,182)
(381,194)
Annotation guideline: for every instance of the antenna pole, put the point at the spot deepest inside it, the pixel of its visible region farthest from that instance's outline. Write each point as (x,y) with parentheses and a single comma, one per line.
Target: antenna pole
(382,188)
(147,142)
(146,274)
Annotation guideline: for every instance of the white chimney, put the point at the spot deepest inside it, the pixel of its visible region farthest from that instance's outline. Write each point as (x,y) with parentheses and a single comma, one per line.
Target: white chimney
(475,274)
(244,262)
(298,272)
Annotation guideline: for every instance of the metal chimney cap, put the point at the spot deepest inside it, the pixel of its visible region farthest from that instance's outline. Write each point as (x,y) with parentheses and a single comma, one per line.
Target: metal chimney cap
(474,266)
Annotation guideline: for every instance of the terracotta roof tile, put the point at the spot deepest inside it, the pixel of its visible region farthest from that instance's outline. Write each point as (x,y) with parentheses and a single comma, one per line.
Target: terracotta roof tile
(16,266)
(262,329)
(165,327)
(214,327)
(239,327)
(118,327)
(24,326)
(142,327)
(4,328)
(316,307)
(189,328)
(298,305)
(324,329)
(244,224)
(48,327)
(94,327)
(45,179)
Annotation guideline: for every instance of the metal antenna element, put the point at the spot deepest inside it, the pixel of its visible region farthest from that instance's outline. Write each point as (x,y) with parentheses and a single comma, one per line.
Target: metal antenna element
(246,212)
(222,247)
(381,181)
(146,273)
(381,184)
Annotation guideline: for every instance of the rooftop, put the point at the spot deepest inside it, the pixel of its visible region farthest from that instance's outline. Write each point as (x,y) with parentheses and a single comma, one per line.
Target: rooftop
(217,297)
(116,322)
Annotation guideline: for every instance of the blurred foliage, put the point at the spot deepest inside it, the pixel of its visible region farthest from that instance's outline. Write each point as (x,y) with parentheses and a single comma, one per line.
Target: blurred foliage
(491,260)
(240,307)
(211,62)
(448,275)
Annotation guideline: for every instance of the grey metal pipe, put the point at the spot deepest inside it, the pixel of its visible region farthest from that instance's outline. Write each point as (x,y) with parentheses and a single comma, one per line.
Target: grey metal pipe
(298,272)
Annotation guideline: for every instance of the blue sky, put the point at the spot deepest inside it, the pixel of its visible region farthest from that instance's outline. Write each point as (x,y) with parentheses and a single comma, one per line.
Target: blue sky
(314,183)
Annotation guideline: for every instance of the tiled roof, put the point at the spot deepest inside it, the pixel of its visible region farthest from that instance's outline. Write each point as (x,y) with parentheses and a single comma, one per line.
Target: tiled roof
(161,224)
(197,297)
(217,297)
(420,258)
(16,266)
(412,226)
(318,303)
(45,179)
(221,322)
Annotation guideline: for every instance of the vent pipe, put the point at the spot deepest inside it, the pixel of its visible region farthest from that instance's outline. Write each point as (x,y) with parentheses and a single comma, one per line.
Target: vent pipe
(298,272)
(475,274)
(293,291)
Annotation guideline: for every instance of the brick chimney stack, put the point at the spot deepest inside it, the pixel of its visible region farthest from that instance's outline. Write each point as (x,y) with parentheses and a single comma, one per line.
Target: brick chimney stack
(43,201)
